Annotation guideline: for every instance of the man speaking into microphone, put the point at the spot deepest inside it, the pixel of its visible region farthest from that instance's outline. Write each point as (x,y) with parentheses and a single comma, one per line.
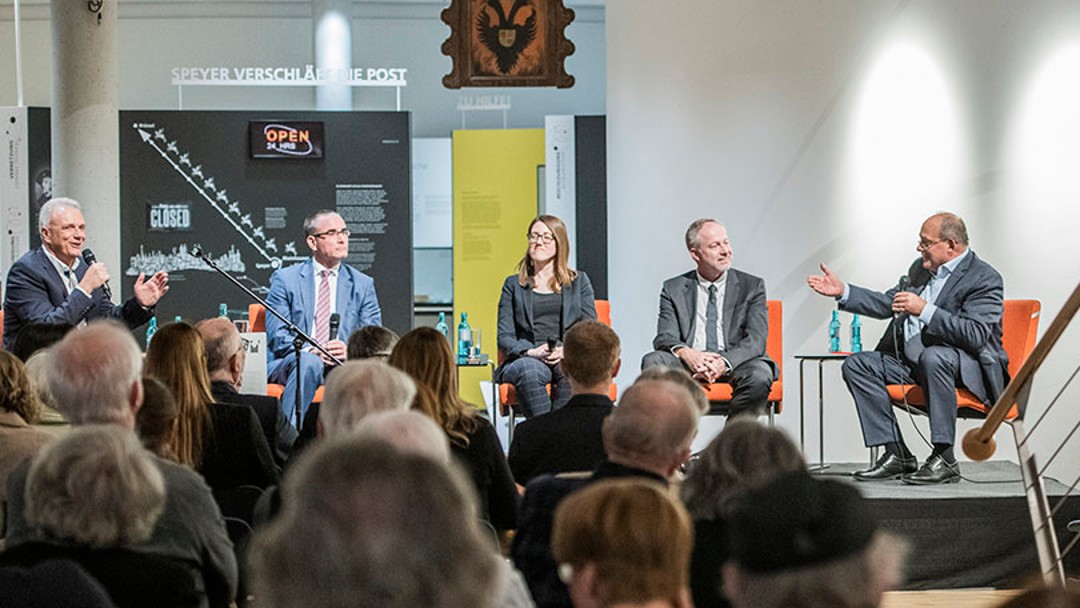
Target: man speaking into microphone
(945,333)
(60,283)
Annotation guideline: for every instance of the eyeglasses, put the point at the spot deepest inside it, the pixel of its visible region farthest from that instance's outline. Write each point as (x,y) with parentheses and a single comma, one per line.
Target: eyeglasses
(925,244)
(333,233)
(544,238)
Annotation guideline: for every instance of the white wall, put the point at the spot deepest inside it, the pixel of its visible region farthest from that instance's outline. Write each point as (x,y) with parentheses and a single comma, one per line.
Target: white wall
(156,36)
(826,130)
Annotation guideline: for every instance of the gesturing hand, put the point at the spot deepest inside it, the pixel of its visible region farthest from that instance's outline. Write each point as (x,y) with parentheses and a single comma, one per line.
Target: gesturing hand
(148,292)
(827,283)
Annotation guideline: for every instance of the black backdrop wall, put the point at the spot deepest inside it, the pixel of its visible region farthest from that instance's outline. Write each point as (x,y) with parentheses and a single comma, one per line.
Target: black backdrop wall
(188,179)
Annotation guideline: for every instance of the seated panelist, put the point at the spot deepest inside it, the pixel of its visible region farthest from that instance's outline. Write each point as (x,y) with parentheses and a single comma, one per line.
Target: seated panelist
(536,307)
(714,321)
(309,293)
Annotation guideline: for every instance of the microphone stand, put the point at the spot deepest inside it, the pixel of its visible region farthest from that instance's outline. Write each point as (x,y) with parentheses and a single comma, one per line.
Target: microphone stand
(299,336)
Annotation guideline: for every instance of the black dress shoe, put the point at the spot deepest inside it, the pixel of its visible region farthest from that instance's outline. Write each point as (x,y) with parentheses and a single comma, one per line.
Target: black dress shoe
(887,467)
(933,472)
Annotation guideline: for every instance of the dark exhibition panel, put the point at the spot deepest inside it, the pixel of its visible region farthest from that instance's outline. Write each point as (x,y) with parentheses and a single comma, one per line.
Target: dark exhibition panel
(237,186)
(590,143)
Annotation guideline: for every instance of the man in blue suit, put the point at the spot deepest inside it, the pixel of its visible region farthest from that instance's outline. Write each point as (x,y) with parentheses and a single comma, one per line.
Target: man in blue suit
(52,284)
(308,294)
(945,333)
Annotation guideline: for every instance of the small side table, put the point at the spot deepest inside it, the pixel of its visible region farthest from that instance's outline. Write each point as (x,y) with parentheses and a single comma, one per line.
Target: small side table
(820,359)
(483,360)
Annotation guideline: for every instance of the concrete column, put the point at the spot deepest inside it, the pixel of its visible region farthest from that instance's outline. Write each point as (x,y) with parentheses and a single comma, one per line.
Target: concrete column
(332,20)
(85,122)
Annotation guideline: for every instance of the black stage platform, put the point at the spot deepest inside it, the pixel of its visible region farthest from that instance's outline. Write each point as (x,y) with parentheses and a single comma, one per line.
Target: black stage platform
(975,533)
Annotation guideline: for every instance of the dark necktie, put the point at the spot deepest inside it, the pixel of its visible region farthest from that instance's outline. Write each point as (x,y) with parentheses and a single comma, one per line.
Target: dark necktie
(712,341)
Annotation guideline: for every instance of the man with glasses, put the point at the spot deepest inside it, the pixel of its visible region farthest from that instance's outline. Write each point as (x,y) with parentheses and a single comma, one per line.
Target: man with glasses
(53,284)
(945,333)
(309,293)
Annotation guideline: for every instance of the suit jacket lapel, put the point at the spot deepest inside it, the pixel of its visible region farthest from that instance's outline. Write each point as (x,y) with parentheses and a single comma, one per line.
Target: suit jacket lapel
(955,277)
(731,296)
(307,296)
(527,304)
(344,296)
(54,282)
(689,300)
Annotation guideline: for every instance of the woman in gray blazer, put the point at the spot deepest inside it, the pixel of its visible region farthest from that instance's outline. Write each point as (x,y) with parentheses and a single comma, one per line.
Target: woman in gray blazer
(536,307)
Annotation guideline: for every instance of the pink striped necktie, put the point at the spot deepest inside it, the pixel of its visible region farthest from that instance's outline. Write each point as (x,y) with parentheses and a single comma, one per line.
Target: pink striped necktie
(322,308)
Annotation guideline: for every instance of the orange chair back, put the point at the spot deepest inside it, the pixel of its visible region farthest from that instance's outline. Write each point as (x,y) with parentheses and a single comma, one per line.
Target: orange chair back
(256,318)
(603,312)
(1,322)
(1019,326)
(720,392)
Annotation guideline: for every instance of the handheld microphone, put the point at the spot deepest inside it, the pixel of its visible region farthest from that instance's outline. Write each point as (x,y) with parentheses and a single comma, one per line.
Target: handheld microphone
(89,257)
(335,322)
(903,285)
(551,344)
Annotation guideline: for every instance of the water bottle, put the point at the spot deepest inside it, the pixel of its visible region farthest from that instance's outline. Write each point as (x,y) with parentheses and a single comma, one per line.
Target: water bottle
(834,332)
(464,338)
(151,329)
(442,327)
(856,334)
(223,310)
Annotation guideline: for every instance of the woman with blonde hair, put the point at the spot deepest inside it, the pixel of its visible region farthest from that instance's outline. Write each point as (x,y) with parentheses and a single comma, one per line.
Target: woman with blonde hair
(425,355)
(623,542)
(223,442)
(538,304)
(19,408)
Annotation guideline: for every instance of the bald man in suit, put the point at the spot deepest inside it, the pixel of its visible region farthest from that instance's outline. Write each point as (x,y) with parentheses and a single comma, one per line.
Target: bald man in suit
(945,333)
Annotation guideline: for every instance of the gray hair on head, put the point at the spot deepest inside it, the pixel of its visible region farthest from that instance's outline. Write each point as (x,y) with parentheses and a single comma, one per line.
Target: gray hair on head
(55,205)
(311,220)
(359,388)
(694,228)
(95,486)
(92,372)
(366,524)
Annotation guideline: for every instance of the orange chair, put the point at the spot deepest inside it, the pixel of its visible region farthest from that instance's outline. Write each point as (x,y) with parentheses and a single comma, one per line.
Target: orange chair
(720,393)
(257,323)
(1,322)
(508,400)
(1019,325)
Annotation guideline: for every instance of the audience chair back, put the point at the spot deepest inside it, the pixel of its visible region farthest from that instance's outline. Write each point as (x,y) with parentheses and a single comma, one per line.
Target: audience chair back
(1019,326)
(720,393)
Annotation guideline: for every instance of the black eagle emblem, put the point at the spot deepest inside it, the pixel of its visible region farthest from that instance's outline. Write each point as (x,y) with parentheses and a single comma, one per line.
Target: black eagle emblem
(506,40)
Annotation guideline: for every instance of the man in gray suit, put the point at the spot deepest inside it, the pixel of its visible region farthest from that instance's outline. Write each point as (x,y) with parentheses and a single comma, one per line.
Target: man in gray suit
(945,333)
(714,321)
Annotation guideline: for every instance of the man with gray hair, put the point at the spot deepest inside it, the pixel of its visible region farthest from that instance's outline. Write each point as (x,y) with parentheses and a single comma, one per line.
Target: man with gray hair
(366,524)
(226,356)
(53,284)
(714,321)
(94,495)
(94,378)
(360,388)
(648,435)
